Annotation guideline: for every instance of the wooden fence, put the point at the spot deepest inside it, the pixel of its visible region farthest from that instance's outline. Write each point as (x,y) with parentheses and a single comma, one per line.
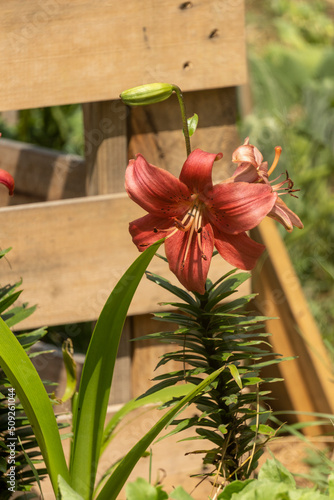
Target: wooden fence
(68,221)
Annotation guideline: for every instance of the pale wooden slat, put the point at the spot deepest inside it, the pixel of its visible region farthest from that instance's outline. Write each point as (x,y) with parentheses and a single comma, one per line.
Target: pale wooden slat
(40,173)
(105,146)
(308,379)
(60,51)
(70,254)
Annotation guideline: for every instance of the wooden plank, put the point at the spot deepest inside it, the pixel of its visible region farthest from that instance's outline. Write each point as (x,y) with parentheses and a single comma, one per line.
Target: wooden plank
(70,254)
(40,174)
(59,51)
(308,379)
(105,146)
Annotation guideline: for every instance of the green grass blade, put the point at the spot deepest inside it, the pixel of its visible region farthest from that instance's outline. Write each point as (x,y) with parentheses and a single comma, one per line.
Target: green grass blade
(117,480)
(30,390)
(92,402)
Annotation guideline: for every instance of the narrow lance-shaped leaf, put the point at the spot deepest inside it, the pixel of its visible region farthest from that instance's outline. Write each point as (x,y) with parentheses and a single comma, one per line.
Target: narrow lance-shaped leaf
(192,124)
(91,405)
(35,401)
(116,481)
(66,492)
(235,374)
(157,398)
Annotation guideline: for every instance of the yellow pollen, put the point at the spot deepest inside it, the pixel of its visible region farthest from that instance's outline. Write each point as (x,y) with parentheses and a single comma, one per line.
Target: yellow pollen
(278,151)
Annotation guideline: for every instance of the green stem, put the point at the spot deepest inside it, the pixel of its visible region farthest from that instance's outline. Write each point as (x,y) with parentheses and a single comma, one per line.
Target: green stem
(178,92)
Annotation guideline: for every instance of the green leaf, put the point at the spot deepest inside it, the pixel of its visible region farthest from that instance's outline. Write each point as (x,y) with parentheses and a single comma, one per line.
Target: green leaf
(30,390)
(71,370)
(116,481)
(331,485)
(232,488)
(143,490)
(180,494)
(32,467)
(66,492)
(171,288)
(274,471)
(227,287)
(3,252)
(92,401)
(263,429)
(158,398)
(235,374)
(17,314)
(222,428)
(192,124)
(9,300)
(28,339)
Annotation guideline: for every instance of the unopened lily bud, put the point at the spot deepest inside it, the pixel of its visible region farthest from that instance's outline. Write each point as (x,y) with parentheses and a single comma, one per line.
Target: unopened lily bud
(7,180)
(147,94)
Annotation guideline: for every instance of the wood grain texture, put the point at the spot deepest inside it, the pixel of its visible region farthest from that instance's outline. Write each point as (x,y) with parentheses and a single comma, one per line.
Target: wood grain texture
(40,174)
(105,146)
(60,51)
(71,253)
(308,379)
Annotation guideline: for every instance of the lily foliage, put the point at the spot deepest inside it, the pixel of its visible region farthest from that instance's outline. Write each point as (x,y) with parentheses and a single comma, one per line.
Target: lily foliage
(232,414)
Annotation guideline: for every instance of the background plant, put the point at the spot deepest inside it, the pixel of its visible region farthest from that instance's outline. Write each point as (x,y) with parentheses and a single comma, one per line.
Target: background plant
(291,65)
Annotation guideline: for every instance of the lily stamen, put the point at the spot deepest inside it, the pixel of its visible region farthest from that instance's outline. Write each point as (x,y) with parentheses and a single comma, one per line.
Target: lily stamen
(278,151)
(286,190)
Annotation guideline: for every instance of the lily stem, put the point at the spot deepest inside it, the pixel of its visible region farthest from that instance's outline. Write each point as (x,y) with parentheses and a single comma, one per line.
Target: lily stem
(178,92)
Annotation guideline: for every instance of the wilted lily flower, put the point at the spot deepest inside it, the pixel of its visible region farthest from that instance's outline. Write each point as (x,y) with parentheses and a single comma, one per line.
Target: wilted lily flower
(7,180)
(194,215)
(253,169)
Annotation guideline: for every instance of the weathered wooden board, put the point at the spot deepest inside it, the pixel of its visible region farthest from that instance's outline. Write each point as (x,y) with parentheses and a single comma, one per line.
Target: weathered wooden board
(40,174)
(71,253)
(60,51)
(106,146)
(308,378)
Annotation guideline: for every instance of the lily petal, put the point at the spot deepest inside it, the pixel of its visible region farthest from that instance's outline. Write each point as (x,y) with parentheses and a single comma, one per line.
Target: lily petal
(238,207)
(239,250)
(249,154)
(245,172)
(148,229)
(7,180)
(191,272)
(156,190)
(196,172)
(282,213)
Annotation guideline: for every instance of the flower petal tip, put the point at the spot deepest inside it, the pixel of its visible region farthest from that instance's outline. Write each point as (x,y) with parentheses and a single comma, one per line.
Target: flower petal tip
(7,180)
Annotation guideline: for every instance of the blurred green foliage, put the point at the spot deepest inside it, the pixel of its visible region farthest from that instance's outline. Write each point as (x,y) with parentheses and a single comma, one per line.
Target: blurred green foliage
(291,63)
(58,127)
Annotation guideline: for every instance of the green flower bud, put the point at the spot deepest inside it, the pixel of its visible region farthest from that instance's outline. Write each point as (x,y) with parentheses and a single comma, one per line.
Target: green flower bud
(147,94)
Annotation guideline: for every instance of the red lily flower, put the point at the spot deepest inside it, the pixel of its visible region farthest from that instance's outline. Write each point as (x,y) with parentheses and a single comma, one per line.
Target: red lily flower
(253,169)
(194,215)
(7,180)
